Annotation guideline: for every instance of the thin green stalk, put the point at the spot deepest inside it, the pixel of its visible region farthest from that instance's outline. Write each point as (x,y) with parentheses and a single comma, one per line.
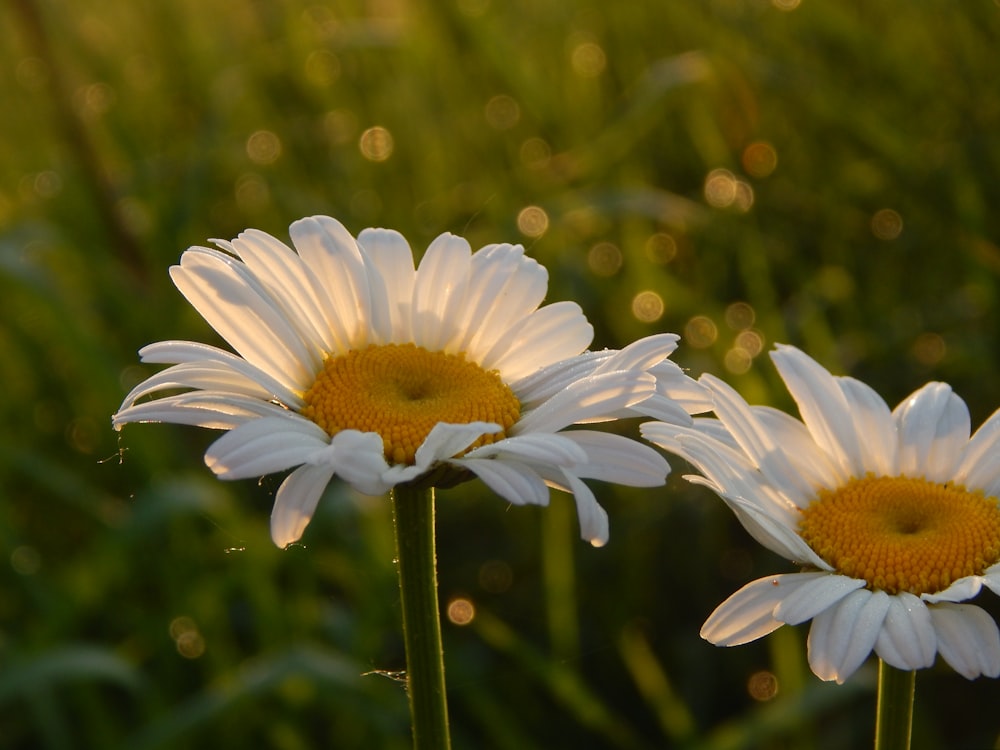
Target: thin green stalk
(413,513)
(894,714)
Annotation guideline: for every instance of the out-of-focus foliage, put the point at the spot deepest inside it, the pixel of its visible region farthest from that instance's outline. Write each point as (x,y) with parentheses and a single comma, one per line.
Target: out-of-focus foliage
(739,171)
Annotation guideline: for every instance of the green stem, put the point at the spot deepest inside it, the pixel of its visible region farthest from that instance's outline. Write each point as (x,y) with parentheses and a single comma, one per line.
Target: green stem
(413,513)
(894,714)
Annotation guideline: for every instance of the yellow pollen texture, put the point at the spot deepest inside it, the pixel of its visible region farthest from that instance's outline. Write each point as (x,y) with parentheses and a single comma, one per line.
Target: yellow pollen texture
(904,533)
(401,391)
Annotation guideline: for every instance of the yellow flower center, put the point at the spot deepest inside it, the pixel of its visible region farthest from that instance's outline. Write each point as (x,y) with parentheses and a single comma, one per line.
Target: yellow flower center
(401,391)
(904,533)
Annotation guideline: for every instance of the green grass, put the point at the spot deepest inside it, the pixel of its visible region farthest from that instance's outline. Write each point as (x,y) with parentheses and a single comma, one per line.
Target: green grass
(142,604)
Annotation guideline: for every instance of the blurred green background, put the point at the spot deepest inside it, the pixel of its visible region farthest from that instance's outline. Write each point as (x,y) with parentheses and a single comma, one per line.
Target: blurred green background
(739,171)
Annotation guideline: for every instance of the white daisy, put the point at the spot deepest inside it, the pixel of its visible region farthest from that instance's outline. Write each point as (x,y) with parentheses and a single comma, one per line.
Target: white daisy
(352,363)
(894,516)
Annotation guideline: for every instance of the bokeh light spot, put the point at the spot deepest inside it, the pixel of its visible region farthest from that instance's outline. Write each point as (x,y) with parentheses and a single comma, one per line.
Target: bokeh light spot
(502,112)
(588,59)
(532,221)
(322,67)
(737,360)
(720,188)
(762,686)
(187,638)
(759,159)
(376,143)
(461,611)
(661,248)
(263,147)
(887,224)
(700,332)
(647,306)
(929,348)
(740,315)
(535,153)
(604,259)
(750,341)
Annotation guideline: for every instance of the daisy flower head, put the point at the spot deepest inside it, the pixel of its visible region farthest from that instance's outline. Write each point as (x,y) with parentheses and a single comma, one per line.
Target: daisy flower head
(351,361)
(893,515)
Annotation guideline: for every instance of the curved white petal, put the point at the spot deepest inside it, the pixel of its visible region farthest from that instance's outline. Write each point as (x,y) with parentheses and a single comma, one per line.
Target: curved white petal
(823,406)
(843,636)
(618,459)
(959,591)
(873,426)
(536,448)
(587,399)
(510,479)
(192,352)
(447,440)
(296,502)
(292,286)
(758,443)
(333,256)
(933,425)
(439,292)
(392,258)
(235,304)
(978,469)
(593,518)
(357,458)
(991,578)
(506,286)
(208,409)
(264,446)
(808,601)
(907,639)
(967,639)
(549,334)
(749,613)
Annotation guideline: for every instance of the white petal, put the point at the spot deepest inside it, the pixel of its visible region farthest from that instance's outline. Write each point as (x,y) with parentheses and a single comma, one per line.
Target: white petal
(234,303)
(873,426)
(823,407)
(933,426)
(190,352)
(777,534)
(392,257)
(907,640)
(991,578)
(959,591)
(512,480)
(642,354)
(979,468)
(593,518)
(842,637)
(542,449)
(758,443)
(618,459)
(549,334)
(292,286)
(264,446)
(807,602)
(749,613)
(506,287)
(447,440)
(587,399)
(439,292)
(967,639)
(213,411)
(357,458)
(542,384)
(334,257)
(296,502)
